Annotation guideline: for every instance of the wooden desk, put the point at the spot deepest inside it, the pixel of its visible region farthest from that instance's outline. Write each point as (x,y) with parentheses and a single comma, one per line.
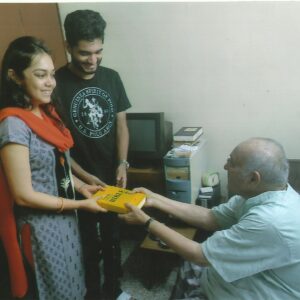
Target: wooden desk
(153,178)
(150,244)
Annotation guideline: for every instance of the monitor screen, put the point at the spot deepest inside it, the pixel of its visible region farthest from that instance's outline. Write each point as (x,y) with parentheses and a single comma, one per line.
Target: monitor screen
(143,135)
(149,136)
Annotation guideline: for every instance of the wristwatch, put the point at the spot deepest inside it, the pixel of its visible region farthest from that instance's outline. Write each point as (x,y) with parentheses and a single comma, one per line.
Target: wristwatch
(147,224)
(125,162)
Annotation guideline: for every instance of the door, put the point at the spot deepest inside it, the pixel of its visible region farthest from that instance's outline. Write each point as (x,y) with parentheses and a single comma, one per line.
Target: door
(37,19)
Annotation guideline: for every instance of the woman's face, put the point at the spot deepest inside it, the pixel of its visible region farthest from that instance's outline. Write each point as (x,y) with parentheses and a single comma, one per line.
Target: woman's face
(39,80)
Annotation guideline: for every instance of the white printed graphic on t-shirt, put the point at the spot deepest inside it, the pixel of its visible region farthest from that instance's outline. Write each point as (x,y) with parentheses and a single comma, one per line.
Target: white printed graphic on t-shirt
(92,112)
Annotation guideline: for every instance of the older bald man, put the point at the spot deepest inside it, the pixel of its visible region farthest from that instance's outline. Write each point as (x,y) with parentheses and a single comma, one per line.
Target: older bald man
(254,252)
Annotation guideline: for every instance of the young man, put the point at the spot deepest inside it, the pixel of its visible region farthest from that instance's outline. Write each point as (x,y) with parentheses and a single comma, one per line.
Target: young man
(92,101)
(255,250)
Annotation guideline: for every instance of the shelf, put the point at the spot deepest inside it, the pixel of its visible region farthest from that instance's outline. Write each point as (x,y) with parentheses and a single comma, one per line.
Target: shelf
(148,170)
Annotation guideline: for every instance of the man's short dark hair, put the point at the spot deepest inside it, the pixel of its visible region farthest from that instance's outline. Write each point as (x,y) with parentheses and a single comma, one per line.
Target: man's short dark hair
(84,25)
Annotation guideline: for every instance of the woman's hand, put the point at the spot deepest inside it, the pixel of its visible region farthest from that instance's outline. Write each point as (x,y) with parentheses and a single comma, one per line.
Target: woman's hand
(91,205)
(88,190)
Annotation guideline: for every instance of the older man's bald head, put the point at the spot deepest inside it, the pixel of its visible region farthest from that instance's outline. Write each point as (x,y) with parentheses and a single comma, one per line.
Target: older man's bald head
(265,156)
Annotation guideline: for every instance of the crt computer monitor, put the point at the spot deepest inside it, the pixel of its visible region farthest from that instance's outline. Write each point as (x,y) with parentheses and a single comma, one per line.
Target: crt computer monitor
(150,136)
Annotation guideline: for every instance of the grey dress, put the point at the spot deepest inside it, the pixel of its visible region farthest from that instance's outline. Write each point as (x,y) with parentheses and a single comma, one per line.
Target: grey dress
(55,239)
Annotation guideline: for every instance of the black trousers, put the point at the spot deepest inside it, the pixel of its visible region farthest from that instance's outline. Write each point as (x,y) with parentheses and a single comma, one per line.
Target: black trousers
(100,234)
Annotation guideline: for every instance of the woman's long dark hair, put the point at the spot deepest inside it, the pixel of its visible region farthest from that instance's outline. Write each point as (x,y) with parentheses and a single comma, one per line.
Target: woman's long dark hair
(18,57)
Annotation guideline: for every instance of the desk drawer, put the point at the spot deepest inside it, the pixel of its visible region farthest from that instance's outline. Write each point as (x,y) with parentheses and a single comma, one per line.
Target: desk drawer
(176,162)
(182,173)
(178,185)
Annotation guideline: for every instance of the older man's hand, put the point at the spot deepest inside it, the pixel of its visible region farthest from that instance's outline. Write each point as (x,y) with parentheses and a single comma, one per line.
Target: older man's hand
(134,216)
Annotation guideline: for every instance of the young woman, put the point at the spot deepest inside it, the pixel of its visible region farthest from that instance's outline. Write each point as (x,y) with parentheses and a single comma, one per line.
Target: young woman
(34,148)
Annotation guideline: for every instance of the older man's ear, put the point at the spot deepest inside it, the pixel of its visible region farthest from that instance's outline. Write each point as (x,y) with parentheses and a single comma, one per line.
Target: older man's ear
(255,177)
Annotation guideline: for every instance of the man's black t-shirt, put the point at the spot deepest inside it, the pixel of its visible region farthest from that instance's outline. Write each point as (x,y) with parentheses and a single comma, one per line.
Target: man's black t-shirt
(89,108)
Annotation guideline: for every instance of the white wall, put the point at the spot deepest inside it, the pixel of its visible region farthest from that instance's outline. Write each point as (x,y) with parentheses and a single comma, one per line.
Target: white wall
(233,68)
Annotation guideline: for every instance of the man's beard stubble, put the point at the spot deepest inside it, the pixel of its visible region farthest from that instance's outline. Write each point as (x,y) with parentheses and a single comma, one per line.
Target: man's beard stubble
(77,65)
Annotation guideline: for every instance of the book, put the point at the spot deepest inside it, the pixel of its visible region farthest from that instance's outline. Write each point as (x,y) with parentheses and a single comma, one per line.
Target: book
(114,199)
(208,195)
(188,134)
(189,143)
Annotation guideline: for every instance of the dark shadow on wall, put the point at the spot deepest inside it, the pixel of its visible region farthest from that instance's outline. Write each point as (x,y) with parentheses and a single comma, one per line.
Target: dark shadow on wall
(294,175)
